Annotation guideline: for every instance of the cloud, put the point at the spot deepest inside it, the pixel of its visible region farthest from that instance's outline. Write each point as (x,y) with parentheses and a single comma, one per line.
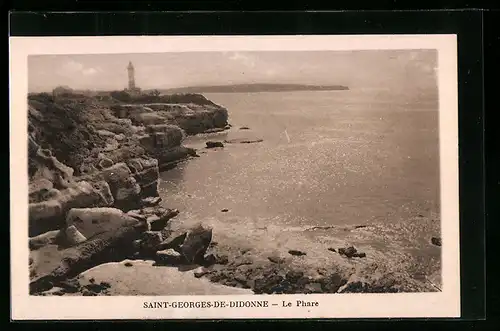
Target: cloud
(72,67)
(90,71)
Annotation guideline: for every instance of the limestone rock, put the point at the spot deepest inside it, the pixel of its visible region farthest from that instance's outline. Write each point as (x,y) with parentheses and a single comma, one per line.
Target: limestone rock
(45,216)
(123,185)
(92,221)
(49,215)
(104,191)
(103,248)
(146,173)
(44,239)
(51,168)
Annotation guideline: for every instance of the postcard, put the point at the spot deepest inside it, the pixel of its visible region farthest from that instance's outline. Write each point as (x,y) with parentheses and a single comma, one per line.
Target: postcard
(231,177)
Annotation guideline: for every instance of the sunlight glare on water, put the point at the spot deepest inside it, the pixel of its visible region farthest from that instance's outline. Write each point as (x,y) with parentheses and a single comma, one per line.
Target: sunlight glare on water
(335,157)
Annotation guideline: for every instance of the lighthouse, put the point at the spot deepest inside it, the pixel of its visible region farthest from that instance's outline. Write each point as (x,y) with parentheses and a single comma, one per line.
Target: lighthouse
(131,77)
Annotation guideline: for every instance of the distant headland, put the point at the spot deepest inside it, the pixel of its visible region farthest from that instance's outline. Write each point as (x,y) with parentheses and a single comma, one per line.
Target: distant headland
(248,88)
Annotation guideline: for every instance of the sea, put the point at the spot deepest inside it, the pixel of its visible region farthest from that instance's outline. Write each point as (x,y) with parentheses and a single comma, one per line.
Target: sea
(347,157)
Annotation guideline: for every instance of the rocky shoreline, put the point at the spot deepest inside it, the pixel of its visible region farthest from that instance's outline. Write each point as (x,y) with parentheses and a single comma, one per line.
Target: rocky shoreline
(94,165)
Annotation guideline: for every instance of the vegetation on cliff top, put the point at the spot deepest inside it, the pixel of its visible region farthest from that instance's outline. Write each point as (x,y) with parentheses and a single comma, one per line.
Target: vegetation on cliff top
(73,125)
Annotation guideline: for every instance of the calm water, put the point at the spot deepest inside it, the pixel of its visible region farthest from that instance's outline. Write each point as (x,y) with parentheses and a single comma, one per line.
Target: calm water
(328,158)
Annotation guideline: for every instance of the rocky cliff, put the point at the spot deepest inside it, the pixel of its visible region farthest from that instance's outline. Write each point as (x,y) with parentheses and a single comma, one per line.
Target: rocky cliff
(92,159)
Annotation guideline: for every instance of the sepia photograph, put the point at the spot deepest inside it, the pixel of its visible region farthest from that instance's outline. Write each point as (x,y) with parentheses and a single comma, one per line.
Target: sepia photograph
(234,172)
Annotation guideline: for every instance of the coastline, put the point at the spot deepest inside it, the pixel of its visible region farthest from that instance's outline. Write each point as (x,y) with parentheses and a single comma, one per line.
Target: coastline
(111,187)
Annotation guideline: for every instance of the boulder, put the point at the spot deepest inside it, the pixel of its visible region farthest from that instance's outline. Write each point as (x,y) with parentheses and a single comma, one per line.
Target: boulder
(166,135)
(49,215)
(45,216)
(348,251)
(196,243)
(104,247)
(214,144)
(92,221)
(84,194)
(436,241)
(146,173)
(123,185)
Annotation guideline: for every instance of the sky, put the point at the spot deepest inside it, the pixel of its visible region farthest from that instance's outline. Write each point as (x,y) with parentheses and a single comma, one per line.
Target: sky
(387,69)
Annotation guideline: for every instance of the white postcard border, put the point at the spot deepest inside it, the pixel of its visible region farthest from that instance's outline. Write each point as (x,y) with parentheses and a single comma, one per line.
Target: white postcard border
(441,304)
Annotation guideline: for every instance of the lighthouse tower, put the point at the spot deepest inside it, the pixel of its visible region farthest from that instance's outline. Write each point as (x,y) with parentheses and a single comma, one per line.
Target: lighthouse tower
(131,77)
